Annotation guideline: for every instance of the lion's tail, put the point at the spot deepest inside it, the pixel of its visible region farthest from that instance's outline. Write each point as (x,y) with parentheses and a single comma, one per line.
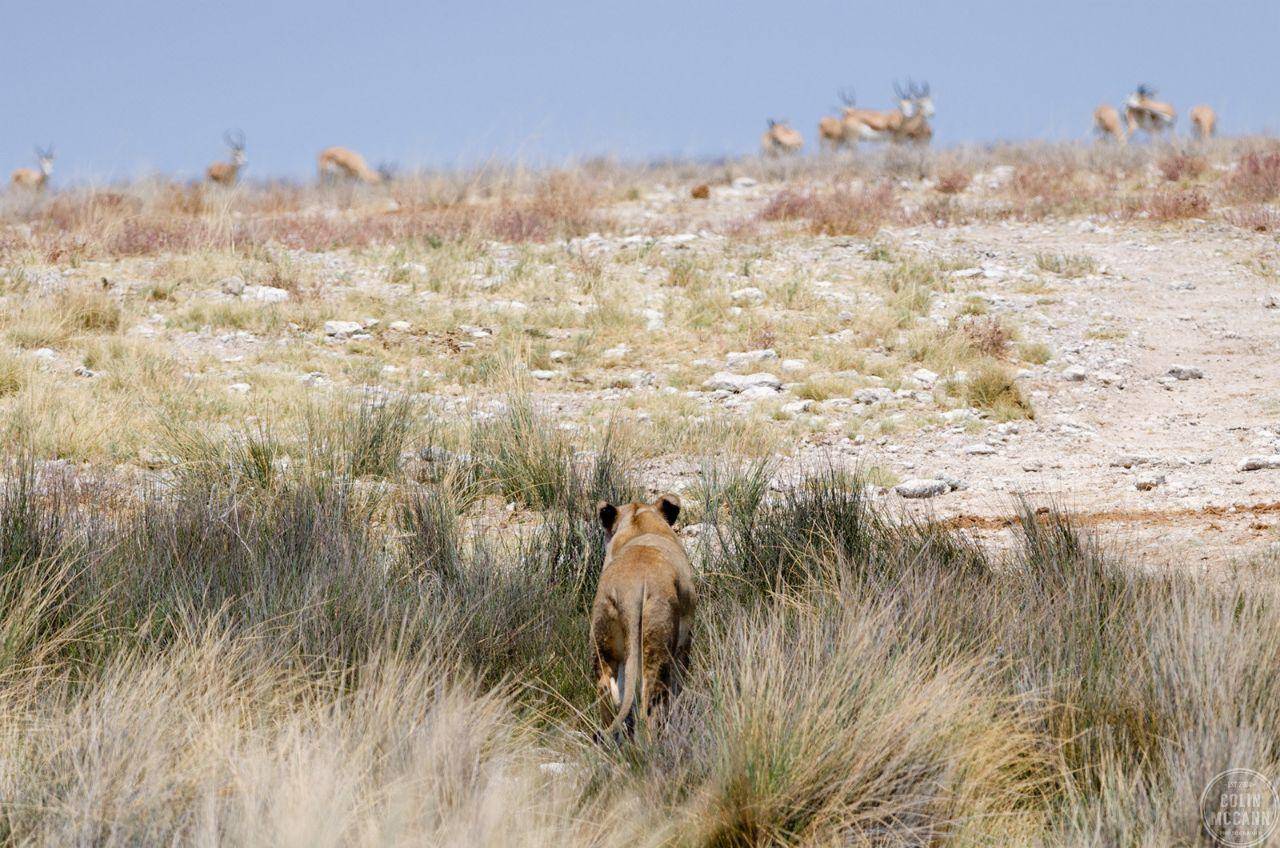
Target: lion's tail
(631,670)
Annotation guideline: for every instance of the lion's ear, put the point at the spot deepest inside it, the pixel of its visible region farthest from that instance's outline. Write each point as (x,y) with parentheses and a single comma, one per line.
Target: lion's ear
(608,515)
(669,506)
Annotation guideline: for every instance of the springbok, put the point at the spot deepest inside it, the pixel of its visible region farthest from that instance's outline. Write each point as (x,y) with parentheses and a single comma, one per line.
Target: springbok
(780,139)
(342,162)
(226,173)
(1146,113)
(915,127)
(831,129)
(1204,120)
(909,122)
(31,177)
(1106,122)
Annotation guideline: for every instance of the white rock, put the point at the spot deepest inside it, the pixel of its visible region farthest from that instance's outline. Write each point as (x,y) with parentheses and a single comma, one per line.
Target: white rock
(727,381)
(873,395)
(1185,372)
(1109,378)
(239,388)
(920,487)
(740,359)
(45,354)
(793,364)
(543,374)
(653,319)
(796,407)
(979,449)
(1074,374)
(961,415)
(758,393)
(342,329)
(749,296)
(1271,300)
(924,375)
(744,182)
(1147,482)
(1260,463)
(233,286)
(559,355)
(400,326)
(265,294)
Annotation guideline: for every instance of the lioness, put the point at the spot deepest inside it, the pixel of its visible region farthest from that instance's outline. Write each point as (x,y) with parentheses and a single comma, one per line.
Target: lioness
(642,617)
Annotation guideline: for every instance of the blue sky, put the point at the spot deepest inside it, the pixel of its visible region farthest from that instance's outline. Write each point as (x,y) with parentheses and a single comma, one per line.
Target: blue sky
(126,86)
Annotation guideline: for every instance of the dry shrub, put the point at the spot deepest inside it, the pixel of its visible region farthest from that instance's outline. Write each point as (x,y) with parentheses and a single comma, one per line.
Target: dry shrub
(1044,188)
(992,387)
(838,212)
(1256,178)
(986,334)
(1175,204)
(1177,166)
(954,182)
(1259,219)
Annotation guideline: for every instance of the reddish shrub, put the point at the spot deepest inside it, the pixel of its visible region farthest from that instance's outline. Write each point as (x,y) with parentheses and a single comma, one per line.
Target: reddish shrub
(1176,167)
(1176,204)
(954,182)
(1256,178)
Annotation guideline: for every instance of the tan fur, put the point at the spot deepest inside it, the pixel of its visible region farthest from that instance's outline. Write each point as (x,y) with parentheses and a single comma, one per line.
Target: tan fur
(223,173)
(908,123)
(34,178)
(339,161)
(831,133)
(1106,122)
(226,173)
(1204,120)
(780,139)
(1143,112)
(27,178)
(915,130)
(642,617)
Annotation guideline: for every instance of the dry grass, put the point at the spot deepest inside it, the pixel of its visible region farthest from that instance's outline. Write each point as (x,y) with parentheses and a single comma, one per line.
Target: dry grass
(835,212)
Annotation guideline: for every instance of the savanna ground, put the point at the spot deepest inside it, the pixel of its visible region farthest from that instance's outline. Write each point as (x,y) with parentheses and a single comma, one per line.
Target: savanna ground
(297,540)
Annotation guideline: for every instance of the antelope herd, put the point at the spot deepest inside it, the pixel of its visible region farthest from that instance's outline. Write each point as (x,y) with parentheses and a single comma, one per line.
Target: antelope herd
(1143,112)
(909,122)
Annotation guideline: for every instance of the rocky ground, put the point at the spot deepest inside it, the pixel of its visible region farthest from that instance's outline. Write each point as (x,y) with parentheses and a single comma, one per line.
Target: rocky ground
(1144,357)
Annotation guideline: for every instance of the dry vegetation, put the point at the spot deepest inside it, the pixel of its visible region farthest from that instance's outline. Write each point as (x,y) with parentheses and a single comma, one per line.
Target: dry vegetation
(266,580)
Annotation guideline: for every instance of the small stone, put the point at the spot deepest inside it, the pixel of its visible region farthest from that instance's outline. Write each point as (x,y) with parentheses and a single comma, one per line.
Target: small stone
(543,374)
(239,388)
(744,182)
(980,449)
(791,365)
(653,319)
(1131,460)
(796,407)
(265,294)
(45,354)
(559,355)
(920,487)
(399,326)
(749,296)
(1271,300)
(233,286)
(1147,482)
(740,359)
(873,395)
(341,329)
(1185,372)
(1109,378)
(1260,463)
(726,381)
(1074,374)
(924,375)
(82,371)
(961,415)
